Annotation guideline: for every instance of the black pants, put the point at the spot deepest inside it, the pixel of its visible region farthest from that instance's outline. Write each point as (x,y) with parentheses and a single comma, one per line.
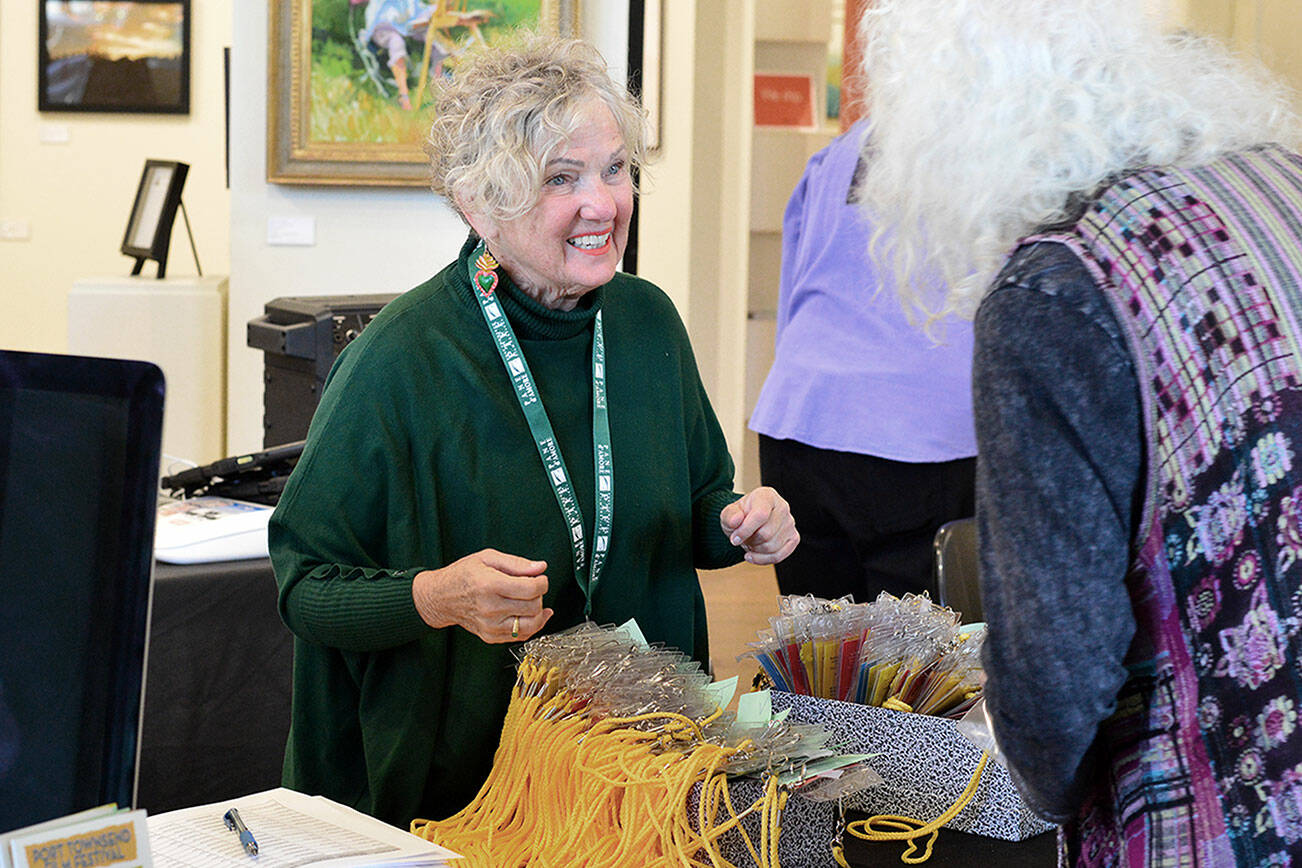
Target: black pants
(866,524)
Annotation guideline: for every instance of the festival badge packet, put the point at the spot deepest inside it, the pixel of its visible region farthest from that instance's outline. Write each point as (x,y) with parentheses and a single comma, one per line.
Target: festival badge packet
(103,837)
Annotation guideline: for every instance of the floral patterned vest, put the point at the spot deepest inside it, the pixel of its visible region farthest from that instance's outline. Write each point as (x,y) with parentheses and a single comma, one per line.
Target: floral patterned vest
(1203,268)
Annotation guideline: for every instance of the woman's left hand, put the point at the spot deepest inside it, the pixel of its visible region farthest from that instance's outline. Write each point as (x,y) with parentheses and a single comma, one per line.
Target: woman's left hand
(761,523)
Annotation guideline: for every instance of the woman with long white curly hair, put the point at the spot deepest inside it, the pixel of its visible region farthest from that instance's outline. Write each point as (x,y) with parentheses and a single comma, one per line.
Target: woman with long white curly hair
(1121,210)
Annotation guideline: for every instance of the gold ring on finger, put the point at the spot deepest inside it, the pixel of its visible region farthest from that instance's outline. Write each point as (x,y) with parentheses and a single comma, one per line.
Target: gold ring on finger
(515,628)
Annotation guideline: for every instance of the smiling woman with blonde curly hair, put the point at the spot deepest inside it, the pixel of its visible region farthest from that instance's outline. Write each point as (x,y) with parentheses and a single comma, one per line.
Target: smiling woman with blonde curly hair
(520,443)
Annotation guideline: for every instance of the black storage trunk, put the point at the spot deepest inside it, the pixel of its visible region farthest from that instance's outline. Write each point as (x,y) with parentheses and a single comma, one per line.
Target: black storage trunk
(300,339)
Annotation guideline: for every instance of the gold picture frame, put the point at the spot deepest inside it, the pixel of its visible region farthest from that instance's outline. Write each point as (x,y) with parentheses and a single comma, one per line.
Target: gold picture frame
(354,132)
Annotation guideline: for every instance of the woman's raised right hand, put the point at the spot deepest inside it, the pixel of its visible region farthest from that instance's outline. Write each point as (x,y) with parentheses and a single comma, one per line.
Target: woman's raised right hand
(485,593)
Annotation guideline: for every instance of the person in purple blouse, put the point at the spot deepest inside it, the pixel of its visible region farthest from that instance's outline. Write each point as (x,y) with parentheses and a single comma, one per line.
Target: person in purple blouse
(865,419)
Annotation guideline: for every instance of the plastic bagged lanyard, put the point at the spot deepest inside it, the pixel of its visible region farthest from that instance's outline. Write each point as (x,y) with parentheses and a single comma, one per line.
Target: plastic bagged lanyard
(483,276)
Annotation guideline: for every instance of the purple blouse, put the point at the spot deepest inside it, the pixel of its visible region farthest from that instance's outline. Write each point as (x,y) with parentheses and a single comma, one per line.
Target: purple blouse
(850,373)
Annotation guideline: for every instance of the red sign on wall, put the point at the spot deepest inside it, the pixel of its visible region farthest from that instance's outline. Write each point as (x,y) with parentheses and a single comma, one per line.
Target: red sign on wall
(784,100)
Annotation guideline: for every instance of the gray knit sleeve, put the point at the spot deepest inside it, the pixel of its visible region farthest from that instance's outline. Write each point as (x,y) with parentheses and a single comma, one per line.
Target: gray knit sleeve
(1059,431)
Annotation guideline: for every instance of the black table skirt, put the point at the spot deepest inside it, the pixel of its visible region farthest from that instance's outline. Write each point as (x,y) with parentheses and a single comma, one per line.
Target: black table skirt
(217,685)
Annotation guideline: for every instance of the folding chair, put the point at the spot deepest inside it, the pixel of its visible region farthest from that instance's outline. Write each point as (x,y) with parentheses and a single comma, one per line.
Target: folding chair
(956,568)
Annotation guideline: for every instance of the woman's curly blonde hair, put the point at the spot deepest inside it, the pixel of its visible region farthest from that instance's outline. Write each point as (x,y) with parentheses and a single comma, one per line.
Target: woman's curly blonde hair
(506,112)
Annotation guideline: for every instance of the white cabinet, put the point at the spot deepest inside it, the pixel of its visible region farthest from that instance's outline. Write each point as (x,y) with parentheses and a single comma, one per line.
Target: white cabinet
(179,324)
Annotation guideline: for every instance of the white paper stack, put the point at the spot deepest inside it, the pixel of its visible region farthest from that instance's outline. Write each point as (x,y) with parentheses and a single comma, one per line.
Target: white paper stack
(291,830)
(201,530)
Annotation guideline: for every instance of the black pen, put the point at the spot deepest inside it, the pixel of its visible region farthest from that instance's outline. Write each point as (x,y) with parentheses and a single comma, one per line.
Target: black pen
(233,821)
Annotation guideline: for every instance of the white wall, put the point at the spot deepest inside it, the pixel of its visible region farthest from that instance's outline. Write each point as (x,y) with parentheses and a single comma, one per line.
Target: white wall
(1268,29)
(720,214)
(696,193)
(1272,29)
(75,196)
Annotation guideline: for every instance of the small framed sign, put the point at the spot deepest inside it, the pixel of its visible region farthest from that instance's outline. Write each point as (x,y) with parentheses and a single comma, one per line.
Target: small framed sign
(115,56)
(149,230)
(785,99)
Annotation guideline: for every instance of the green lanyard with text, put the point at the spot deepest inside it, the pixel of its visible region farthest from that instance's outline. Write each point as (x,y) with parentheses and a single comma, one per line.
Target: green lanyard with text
(483,276)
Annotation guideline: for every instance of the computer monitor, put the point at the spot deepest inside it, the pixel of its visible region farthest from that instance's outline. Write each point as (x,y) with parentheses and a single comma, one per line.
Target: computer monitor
(79,462)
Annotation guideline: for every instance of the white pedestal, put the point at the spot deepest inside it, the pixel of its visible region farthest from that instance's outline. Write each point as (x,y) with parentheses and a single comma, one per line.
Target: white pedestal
(179,324)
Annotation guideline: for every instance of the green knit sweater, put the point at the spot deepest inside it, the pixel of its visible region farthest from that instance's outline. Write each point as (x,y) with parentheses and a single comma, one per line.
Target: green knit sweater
(419,455)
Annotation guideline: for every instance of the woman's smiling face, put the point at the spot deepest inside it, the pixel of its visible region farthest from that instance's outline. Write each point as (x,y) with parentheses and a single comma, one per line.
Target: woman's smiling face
(572,239)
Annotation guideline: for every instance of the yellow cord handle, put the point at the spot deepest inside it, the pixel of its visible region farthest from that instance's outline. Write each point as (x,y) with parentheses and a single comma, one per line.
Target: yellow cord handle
(909,829)
(567,789)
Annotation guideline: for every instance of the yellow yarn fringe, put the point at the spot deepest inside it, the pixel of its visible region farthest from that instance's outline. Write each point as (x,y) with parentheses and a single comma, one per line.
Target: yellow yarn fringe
(568,789)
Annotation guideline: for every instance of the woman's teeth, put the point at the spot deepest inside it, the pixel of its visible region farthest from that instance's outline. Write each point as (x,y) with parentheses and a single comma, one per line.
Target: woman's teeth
(590,242)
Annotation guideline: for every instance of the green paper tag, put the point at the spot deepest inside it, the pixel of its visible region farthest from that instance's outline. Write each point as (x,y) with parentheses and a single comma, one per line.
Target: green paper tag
(634,633)
(754,708)
(722,691)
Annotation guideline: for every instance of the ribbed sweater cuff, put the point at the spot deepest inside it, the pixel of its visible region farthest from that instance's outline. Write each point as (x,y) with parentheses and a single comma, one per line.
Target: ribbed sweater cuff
(712,548)
(368,611)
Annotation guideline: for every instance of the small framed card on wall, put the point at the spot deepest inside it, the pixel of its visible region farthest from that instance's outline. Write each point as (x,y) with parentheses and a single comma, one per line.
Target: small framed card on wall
(115,56)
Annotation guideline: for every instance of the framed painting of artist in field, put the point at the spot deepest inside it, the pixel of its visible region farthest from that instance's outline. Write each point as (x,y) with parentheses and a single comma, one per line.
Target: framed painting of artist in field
(349,81)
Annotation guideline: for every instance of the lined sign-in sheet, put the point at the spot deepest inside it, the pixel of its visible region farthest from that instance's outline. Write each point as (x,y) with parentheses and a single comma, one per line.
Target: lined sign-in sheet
(292,830)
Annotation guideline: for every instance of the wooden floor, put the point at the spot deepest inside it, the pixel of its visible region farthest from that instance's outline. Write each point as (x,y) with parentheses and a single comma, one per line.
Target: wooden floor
(739,601)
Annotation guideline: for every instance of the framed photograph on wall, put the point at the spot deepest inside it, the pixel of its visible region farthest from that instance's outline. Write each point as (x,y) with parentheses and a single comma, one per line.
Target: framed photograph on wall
(115,56)
(348,82)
